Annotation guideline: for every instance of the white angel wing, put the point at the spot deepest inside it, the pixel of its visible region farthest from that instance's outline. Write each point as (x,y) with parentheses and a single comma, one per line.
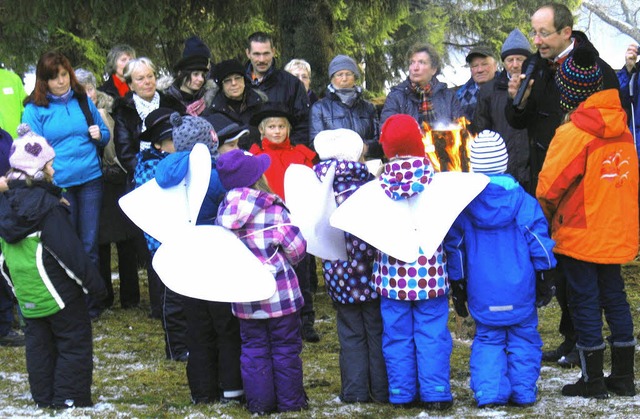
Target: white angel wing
(311,203)
(214,266)
(163,213)
(405,226)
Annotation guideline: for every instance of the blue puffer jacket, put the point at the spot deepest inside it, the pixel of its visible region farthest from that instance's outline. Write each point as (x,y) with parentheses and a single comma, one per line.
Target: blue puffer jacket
(402,99)
(498,243)
(331,113)
(348,281)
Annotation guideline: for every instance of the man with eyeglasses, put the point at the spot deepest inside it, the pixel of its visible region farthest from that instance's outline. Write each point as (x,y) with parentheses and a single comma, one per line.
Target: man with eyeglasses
(484,68)
(540,113)
(279,85)
(492,99)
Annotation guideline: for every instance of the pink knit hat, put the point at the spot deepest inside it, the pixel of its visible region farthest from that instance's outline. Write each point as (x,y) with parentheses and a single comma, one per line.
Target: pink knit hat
(30,152)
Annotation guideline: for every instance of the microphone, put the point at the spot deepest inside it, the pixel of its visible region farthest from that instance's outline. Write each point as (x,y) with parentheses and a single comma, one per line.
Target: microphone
(529,71)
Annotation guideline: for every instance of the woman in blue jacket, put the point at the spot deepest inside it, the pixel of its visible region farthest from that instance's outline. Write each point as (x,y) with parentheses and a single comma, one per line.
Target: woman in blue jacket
(58,109)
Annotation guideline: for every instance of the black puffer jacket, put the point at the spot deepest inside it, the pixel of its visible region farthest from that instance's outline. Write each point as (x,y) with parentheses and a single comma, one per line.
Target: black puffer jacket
(282,87)
(331,113)
(128,127)
(60,256)
(542,113)
(240,114)
(489,114)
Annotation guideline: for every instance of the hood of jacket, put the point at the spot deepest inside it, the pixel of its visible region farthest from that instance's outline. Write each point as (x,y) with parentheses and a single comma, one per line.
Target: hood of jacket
(23,207)
(406,177)
(498,204)
(247,204)
(601,115)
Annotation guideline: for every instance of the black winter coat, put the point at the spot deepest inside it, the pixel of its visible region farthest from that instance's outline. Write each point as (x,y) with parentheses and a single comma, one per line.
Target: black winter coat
(282,87)
(361,117)
(110,88)
(489,114)
(253,98)
(542,113)
(128,127)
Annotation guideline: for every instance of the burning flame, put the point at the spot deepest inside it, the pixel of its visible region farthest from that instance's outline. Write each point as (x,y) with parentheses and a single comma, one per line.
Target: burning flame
(448,146)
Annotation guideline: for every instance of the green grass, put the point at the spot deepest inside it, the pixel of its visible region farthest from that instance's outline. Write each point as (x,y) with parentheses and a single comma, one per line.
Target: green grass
(133,379)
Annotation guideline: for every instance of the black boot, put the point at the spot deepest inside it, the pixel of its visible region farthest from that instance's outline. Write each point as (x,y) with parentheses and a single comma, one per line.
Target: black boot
(591,384)
(620,381)
(563,349)
(309,334)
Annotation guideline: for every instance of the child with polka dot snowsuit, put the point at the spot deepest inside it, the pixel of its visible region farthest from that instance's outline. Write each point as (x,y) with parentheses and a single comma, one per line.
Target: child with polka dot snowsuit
(416,342)
(362,368)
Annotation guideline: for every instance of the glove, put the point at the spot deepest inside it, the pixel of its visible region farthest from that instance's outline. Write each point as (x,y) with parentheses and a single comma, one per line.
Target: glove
(545,287)
(459,297)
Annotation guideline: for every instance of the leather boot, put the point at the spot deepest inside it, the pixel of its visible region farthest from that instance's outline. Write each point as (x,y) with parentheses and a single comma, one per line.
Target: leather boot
(620,381)
(591,384)
(570,360)
(563,349)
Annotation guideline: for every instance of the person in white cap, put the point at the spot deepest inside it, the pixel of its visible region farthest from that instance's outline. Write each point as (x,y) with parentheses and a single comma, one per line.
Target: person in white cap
(500,262)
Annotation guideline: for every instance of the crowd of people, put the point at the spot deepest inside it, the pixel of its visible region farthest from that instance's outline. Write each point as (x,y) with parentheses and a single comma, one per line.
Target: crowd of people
(558,216)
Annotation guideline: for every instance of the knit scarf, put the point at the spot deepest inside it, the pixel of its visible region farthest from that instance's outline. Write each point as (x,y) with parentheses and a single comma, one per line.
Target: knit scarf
(426,107)
(347,96)
(144,107)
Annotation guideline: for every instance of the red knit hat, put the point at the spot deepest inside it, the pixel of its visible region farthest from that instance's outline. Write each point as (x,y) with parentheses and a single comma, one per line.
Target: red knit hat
(400,136)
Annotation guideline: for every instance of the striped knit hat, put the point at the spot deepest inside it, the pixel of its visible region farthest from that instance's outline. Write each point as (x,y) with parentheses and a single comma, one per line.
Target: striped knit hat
(488,153)
(578,77)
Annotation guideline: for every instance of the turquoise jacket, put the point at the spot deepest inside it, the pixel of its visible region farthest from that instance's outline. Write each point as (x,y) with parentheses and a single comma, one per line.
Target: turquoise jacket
(65,127)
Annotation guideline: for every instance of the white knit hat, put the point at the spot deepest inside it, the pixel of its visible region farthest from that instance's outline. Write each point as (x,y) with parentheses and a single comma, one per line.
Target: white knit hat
(488,153)
(30,152)
(339,144)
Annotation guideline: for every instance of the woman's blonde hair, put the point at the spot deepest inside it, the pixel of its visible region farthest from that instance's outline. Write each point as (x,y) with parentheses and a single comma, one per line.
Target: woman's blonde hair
(135,63)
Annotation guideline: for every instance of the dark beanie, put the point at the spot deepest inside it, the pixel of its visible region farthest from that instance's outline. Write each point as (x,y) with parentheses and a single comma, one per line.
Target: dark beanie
(515,44)
(225,68)
(195,56)
(578,77)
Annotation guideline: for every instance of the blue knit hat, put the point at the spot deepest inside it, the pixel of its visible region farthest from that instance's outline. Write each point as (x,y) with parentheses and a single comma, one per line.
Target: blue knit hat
(343,62)
(488,153)
(515,44)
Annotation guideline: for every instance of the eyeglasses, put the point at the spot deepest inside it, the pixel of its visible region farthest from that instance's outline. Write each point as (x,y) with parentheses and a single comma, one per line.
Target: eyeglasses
(542,34)
(232,79)
(346,74)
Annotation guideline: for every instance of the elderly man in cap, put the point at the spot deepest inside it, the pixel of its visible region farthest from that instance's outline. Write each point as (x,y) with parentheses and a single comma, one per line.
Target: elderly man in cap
(493,98)
(484,68)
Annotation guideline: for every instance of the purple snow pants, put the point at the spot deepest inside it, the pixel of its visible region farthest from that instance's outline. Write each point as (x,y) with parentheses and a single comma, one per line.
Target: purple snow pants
(270,364)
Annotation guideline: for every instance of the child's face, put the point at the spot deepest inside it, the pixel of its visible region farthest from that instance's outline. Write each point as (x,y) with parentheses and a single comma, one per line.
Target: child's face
(275,129)
(48,171)
(228,146)
(166,146)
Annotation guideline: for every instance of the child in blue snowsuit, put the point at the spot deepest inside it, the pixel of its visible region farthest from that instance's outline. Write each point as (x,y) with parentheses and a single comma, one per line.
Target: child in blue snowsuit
(213,333)
(416,342)
(495,250)
(359,324)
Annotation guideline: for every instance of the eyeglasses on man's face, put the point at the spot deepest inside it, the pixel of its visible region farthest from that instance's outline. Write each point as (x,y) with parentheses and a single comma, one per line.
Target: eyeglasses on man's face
(542,34)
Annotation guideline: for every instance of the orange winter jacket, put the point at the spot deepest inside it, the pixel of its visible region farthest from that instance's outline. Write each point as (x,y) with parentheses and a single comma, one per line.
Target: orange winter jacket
(588,186)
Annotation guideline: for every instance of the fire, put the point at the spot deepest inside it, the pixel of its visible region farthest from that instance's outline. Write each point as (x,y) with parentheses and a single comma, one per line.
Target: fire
(448,147)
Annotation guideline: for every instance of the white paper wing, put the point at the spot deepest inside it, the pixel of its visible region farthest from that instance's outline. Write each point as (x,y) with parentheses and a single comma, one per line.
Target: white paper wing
(435,209)
(400,228)
(211,263)
(311,202)
(164,212)
(383,223)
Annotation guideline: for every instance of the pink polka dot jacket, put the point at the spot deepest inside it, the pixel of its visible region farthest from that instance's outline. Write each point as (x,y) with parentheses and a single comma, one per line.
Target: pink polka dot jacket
(427,277)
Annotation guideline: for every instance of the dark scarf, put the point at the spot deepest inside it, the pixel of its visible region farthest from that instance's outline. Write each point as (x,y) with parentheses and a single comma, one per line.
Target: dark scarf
(426,107)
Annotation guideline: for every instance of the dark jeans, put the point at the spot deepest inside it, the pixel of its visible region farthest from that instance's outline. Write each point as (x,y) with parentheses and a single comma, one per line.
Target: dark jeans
(304,280)
(127,270)
(593,288)
(566,324)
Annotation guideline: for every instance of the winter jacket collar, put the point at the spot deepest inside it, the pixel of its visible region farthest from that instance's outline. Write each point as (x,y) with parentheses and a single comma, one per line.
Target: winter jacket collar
(407,177)
(601,115)
(247,203)
(498,204)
